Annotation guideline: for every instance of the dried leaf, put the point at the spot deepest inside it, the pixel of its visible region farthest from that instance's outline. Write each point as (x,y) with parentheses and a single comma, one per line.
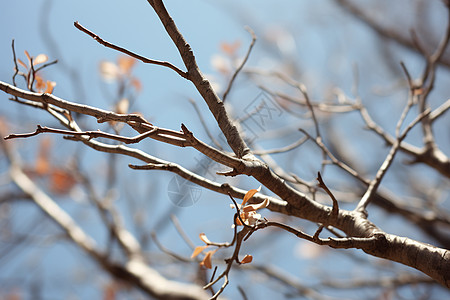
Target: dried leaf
(136,83)
(40,83)
(418,91)
(230,48)
(207,260)
(198,250)
(22,63)
(109,71)
(43,164)
(110,291)
(204,238)
(122,106)
(61,181)
(126,63)
(247,259)
(263,204)
(249,195)
(40,59)
(50,86)
(28,57)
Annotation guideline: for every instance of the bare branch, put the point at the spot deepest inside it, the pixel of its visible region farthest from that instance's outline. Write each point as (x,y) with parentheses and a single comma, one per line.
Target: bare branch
(335,210)
(385,32)
(216,106)
(230,84)
(100,114)
(129,53)
(371,190)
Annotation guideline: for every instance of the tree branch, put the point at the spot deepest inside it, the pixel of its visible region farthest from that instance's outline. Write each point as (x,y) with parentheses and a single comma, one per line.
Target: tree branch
(129,53)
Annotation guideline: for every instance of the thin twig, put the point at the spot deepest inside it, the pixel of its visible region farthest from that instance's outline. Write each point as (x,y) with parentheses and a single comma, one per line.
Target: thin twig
(335,209)
(205,127)
(230,84)
(283,149)
(127,52)
(374,184)
(167,251)
(181,232)
(91,134)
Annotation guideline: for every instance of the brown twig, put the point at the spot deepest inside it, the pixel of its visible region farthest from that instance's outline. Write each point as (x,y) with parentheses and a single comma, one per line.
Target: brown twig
(216,106)
(91,134)
(335,210)
(230,84)
(373,186)
(129,53)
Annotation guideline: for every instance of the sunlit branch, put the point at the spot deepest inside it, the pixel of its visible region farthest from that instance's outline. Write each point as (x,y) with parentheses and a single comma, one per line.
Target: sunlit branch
(127,52)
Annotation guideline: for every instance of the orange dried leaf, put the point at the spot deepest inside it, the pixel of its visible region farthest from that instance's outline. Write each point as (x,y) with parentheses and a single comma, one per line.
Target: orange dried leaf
(198,250)
(40,83)
(110,291)
(28,56)
(43,158)
(253,207)
(204,238)
(61,181)
(230,48)
(136,83)
(207,260)
(126,63)
(238,222)
(50,86)
(249,195)
(22,63)
(418,91)
(247,259)
(40,59)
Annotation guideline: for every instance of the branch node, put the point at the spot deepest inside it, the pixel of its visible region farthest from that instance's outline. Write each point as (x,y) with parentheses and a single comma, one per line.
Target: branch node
(335,210)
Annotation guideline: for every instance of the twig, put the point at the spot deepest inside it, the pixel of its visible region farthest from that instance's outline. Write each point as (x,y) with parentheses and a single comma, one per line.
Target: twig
(335,210)
(443,108)
(373,186)
(91,134)
(167,251)
(16,67)
(283,149)
(127,52)
(181,232)
(216,106)
(230,84)
(205,127)
(367,18)
(334,160)
(338,243)
(100,114)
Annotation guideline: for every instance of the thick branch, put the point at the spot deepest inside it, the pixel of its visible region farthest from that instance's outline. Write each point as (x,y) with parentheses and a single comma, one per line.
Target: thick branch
(215,104)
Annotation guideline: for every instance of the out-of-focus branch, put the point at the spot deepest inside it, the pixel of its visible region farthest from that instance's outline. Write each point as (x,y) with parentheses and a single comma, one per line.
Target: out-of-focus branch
(390,33)
(133,270)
